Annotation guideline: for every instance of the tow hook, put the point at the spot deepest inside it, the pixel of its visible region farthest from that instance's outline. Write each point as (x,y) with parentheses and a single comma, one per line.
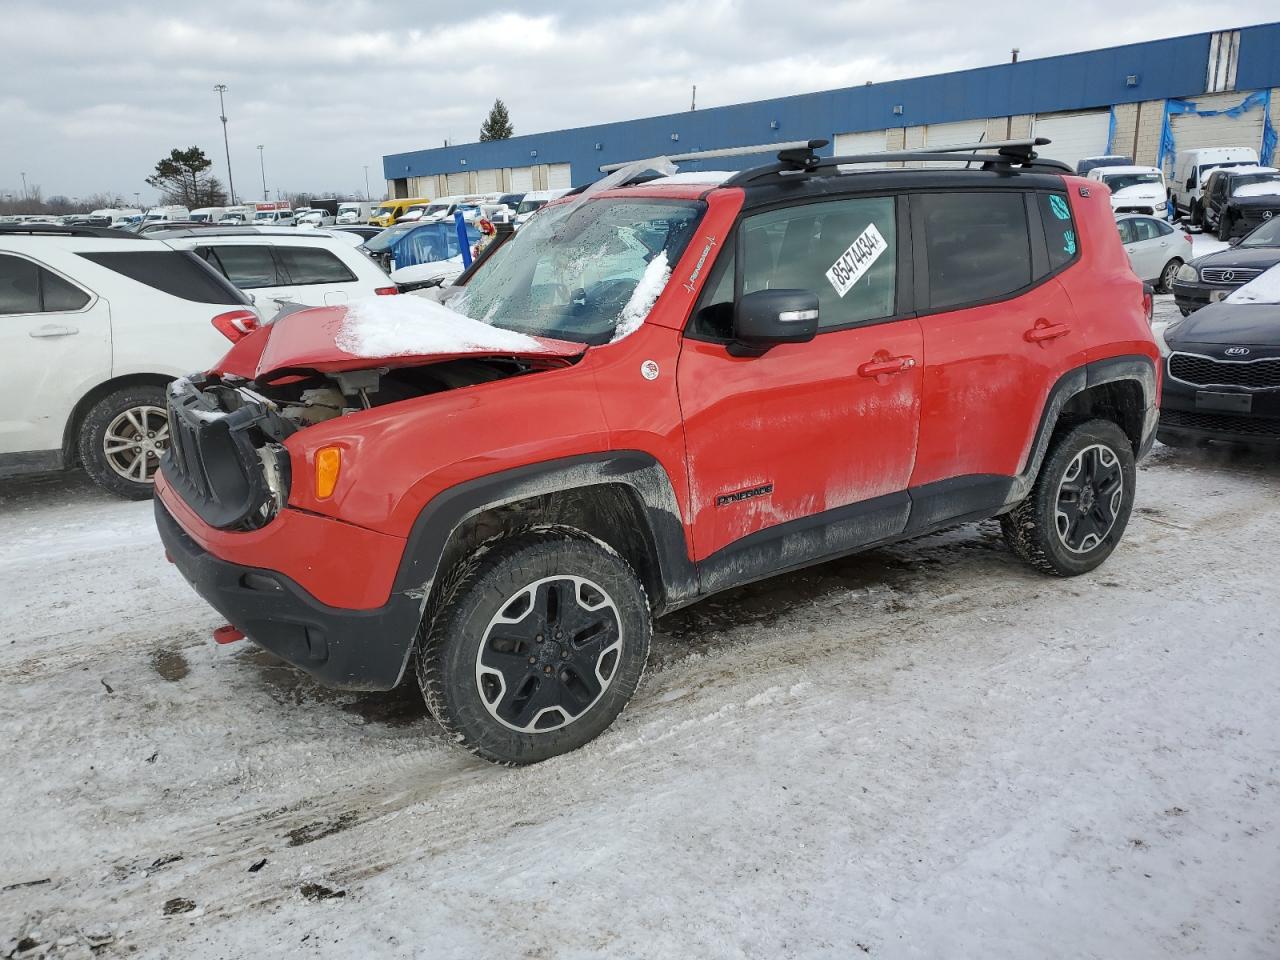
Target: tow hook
(227,634)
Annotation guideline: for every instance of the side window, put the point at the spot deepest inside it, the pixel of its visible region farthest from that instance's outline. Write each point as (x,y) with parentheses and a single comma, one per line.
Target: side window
(177,273)
(313,265)
(715,308)
(248,267)
(1162,228)
(979,247)
(59,295)
(1146,229)
(1060,229)
(845,251)
(1125,227)
(19,285)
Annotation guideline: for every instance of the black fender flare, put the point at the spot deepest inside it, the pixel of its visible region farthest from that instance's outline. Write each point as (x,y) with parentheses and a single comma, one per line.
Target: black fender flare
(640,472)
(1133,367)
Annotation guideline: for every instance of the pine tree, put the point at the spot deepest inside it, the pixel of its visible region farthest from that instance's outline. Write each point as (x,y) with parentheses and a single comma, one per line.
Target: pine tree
(497,126)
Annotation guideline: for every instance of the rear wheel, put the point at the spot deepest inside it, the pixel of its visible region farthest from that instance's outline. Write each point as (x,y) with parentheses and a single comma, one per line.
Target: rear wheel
(122,439)
(1165,284)
(1079,507)
(536,646)
(1197,220)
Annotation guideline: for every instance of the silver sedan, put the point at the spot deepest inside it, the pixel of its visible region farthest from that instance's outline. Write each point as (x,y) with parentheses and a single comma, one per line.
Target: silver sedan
(1156,249)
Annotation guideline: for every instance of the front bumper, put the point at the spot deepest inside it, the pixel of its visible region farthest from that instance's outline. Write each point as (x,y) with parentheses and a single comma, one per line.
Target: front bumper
(1183,417)
(350,649)
(1193,296)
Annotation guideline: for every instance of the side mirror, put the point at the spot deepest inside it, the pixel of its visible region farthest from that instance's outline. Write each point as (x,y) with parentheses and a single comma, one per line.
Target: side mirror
(1234,241)
(767,318)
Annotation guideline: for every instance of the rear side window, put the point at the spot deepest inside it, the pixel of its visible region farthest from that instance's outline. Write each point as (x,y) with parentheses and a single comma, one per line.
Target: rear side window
(313,265)
(248,266)
(978,244)
(26,287)
(1060,229)
(845,251)
(175,272)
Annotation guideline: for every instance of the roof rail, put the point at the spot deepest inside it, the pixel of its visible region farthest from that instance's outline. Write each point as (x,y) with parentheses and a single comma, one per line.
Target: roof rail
(1007,155)
(54,230)
(245,231)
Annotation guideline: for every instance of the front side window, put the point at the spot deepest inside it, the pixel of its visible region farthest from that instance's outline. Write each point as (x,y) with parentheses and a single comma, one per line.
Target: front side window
(978,246)
(845,251)
(579,270)
(248,266)
(313,265)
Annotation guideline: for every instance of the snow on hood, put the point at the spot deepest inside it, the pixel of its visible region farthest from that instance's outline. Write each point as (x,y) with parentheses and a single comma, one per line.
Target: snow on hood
(1264,288)
(413,326)
(643,297)
(1139,190)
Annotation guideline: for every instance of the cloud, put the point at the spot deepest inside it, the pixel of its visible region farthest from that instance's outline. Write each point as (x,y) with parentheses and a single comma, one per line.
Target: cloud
(98,92)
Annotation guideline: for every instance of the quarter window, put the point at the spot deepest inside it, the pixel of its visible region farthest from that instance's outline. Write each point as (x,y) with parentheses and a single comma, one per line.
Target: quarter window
(978,246)
(845,251)
(313,265)
(1060,235)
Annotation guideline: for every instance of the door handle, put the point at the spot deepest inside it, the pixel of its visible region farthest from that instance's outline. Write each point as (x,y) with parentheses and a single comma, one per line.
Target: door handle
(1044,331)
(54,330)
(886,366)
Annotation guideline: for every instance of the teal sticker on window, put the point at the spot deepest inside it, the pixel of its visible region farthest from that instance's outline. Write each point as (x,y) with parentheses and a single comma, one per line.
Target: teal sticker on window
(1069,242)
(1059,207)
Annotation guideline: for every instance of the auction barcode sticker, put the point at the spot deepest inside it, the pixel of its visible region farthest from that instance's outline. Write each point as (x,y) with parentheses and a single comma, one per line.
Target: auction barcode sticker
(857,260)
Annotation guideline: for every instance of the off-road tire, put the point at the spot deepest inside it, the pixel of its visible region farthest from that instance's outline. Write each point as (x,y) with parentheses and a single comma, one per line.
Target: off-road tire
(93,428)
(1031,528)
(475,592)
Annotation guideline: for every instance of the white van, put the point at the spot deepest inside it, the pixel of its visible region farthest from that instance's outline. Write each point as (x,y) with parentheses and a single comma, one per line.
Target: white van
(1191,169)
(167,213)
(355,211)
(208,214)
(1135,189)
(236,215)
(273,218)
(535,201)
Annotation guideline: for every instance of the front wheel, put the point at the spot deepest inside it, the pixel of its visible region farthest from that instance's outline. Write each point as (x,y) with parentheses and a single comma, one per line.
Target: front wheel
(1079,507)
(535,647)
(1165,284)
(1224,226)
(122,439)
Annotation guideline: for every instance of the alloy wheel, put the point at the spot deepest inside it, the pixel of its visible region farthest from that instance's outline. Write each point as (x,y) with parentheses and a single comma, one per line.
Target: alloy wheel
(1090,495)
(549,654)
(134,442)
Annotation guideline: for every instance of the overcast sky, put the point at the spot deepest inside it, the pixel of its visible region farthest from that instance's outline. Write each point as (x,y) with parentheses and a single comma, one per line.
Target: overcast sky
(92,93)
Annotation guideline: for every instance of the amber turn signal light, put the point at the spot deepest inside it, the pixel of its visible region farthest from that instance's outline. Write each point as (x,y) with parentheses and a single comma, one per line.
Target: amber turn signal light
(328,465)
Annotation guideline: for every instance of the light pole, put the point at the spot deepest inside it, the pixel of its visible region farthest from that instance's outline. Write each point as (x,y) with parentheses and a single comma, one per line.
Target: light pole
(262,166)
(137,198)
(221,88)
(24,184)
(366,182)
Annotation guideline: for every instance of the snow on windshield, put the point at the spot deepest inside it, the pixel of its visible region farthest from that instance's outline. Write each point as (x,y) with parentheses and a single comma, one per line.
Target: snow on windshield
(652,282)
(407,326)
(1259,188)
(1264,288)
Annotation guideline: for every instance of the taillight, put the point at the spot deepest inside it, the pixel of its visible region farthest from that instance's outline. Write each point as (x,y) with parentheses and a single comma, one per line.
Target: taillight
(1187,234)
(1148,305)
(386,291)
(236,324)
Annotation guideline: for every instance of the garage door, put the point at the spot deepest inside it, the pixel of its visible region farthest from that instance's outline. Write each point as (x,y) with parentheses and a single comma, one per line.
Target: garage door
(868,141)
(559,177)
(953,134)
(1190,131)
(489,181)
(1074,135)
(457,184)
(521,179)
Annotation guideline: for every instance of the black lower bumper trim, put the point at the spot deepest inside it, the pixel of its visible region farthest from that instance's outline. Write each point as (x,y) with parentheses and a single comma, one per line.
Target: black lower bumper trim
(1186,425)
(350,649)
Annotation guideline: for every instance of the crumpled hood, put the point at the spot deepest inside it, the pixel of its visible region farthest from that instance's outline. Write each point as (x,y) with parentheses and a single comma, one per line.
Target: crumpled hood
(309,341)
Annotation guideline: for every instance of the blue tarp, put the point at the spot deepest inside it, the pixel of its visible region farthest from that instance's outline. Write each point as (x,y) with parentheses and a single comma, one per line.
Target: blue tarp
(1258,100)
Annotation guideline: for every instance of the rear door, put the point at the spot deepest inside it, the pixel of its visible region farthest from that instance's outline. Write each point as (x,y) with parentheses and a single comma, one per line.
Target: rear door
(800,452)
(997,335)
(56,337)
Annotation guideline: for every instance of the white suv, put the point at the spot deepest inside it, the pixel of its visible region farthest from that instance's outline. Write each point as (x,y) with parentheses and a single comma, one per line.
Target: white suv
(93,324)
(312,268)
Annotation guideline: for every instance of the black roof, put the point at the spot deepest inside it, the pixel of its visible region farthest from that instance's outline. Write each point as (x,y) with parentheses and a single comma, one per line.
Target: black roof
(55,230)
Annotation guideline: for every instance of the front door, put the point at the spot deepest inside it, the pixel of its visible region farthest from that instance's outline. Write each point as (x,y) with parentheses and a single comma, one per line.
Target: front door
(805,451)
(56,337)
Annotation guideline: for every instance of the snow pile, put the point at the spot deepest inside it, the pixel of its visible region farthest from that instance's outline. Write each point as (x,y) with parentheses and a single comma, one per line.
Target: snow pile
(1264,188)
(1264,288)
(405,325)
(645,295)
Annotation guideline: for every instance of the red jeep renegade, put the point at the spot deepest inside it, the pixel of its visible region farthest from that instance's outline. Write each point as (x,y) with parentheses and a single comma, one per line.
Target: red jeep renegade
(659,389)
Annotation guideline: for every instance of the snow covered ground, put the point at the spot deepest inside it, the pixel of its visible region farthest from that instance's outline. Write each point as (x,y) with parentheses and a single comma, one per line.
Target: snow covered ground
(926,751)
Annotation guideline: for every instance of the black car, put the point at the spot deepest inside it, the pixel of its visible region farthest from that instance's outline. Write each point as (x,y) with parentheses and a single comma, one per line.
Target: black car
(1210,278)
(1222,374)
(1237,199)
